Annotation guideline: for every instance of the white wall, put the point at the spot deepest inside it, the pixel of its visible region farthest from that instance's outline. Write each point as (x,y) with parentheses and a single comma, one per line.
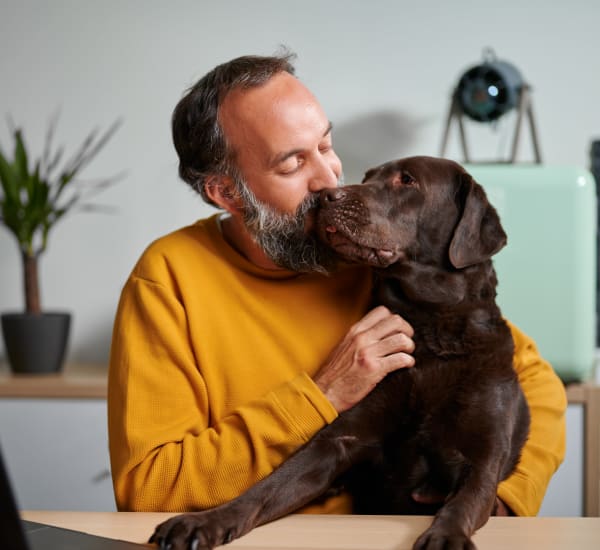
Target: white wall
(383,70)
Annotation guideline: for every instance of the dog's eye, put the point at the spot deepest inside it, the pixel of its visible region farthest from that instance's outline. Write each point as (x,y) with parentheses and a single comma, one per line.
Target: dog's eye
(402,178)
(407,179)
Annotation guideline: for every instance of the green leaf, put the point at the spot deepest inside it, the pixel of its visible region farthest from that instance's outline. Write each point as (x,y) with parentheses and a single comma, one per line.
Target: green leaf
(33,199)
(20,163)
(9,181)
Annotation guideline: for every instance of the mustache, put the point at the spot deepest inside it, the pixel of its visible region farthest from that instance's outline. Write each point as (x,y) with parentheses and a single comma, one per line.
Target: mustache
(260,217)
(290,239)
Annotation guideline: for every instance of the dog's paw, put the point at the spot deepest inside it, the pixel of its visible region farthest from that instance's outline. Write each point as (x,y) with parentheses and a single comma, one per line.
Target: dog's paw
(195,531)
(438,539)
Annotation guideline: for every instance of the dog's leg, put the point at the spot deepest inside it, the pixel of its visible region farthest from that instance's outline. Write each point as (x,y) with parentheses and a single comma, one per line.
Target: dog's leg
(469,506)
(304,476)
(463,513)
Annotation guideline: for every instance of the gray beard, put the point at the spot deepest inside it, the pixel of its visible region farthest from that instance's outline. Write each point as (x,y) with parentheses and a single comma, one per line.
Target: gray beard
(283,237)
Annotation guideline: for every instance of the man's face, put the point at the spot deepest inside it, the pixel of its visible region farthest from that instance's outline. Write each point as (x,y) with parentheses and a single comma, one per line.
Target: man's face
(282,142)
(284,154)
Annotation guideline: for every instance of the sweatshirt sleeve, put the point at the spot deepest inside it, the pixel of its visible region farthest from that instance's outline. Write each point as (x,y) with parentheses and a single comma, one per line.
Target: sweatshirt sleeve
(544,450)
(167,452)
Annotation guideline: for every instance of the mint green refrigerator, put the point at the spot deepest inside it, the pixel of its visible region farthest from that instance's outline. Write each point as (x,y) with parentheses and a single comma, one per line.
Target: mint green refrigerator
(547,271)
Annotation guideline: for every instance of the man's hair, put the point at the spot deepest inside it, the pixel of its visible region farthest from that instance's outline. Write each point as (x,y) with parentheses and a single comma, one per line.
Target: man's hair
(197,135)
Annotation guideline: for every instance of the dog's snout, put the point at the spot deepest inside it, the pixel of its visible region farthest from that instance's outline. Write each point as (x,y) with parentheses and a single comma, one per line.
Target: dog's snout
(332,195)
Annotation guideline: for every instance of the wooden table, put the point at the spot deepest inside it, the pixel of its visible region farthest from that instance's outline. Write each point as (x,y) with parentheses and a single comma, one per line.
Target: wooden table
(306,532)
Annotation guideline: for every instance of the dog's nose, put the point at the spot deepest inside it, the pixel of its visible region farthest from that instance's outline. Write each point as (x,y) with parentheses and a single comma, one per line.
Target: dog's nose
(331,195)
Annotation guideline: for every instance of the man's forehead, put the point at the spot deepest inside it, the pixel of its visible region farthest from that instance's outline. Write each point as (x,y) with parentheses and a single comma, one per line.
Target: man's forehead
(276,118)
(255,103)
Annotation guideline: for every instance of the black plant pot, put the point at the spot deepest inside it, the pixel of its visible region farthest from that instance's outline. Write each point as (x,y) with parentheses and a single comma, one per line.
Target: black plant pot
(36,343)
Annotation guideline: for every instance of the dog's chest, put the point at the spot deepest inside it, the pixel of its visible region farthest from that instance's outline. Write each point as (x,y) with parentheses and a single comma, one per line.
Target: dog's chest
(423,441)
(431,390)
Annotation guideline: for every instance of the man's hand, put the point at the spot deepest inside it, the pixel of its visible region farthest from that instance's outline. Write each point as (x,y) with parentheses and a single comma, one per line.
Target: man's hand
(378,344)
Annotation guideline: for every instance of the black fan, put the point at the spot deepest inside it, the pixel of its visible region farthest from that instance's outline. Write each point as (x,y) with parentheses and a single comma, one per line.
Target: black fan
(487,91)
(484,93)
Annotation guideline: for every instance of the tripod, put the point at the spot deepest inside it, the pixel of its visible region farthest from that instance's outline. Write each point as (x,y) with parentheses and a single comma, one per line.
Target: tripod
(525,109)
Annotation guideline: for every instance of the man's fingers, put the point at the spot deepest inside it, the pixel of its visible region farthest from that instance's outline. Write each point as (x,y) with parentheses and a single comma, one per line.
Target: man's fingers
(395,323)
(371,319)
(395,343)
(381,322)
(387,345)
(397,361)
(376,345)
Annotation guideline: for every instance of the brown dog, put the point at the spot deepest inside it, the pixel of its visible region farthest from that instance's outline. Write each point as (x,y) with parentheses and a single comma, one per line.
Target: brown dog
(446,431)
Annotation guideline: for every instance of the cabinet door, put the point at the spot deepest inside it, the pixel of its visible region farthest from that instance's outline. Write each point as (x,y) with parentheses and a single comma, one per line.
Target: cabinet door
(56,451)
(564,496)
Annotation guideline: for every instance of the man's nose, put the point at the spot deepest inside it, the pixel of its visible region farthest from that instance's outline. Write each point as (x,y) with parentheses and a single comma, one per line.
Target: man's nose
(326,175)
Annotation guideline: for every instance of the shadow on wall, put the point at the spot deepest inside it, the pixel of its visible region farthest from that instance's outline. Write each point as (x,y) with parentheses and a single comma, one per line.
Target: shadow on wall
(373,138)
(91,343)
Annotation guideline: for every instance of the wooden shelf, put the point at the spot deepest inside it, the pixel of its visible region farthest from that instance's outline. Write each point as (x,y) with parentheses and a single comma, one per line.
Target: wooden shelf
(75,381)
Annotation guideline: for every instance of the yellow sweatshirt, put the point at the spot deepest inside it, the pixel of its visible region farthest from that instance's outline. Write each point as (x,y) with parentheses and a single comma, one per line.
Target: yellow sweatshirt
(210,383)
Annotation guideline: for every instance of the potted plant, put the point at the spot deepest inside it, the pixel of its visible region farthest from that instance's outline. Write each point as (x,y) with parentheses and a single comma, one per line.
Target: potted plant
(34,196)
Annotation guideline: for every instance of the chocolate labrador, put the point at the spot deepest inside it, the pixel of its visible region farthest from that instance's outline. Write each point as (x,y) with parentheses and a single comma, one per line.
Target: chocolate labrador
(433,439)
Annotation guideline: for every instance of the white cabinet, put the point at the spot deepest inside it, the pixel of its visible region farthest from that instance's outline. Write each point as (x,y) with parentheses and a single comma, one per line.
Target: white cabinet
(565,494)
(56,451)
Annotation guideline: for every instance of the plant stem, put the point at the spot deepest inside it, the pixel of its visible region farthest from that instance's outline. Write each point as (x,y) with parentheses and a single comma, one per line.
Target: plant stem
(32,288)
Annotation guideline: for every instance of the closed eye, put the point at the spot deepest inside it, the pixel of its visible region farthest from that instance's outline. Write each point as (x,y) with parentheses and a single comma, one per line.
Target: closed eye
(291,165)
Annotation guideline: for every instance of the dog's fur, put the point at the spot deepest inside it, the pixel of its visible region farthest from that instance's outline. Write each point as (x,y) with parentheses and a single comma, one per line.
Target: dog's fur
(435,438)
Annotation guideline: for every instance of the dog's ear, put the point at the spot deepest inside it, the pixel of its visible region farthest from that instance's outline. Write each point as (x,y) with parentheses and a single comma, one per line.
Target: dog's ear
(369,174)
(479,234)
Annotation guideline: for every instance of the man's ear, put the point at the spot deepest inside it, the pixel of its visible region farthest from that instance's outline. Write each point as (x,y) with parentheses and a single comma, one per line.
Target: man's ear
(221,190)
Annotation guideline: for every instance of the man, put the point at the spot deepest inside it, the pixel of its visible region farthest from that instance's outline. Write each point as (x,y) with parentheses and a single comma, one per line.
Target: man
(231,348)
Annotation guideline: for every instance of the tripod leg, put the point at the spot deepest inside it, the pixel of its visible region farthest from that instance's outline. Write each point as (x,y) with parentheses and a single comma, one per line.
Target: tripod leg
(463,136)
(532,127)
(523,101)
(447,128)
